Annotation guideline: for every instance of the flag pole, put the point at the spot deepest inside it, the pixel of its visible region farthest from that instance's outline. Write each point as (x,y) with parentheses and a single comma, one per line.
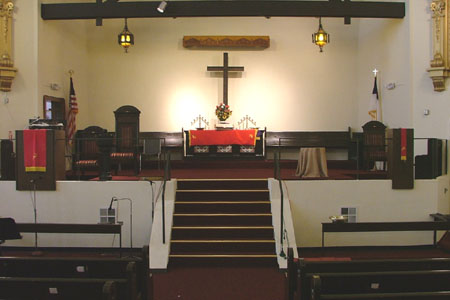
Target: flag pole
(379,108)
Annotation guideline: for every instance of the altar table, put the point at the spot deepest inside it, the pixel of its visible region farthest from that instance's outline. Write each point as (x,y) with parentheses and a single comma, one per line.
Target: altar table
(224,143)
(222,137)
(312,162)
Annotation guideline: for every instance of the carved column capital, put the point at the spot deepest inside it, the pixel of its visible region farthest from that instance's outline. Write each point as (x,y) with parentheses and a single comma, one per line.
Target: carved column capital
(438,8)
(440,65)
(7,70)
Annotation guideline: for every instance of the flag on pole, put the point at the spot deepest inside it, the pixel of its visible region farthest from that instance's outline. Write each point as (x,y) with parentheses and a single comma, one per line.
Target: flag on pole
(374,105)
(72,117)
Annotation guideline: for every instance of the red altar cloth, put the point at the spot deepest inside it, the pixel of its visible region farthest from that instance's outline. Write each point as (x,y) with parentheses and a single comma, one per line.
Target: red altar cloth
(222,137)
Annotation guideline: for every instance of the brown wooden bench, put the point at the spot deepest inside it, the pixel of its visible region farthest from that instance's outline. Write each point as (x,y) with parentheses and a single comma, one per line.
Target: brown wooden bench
(384,226)
(375,279)
(20,288)
(72,228)
(129,273)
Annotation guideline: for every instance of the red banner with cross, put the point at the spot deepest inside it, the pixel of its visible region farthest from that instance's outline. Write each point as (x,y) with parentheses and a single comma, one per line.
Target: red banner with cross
(35,150)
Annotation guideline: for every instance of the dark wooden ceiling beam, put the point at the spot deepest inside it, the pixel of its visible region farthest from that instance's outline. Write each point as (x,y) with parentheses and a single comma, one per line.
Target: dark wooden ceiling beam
(238,8)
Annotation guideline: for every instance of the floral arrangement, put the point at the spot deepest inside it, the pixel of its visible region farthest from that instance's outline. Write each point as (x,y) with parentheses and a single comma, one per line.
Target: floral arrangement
(223,111)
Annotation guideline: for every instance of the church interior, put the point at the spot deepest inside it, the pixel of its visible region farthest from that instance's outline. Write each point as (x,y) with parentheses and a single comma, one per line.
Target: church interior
(224,149)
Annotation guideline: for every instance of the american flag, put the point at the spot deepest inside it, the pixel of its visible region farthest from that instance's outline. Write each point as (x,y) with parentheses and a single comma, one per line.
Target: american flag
(72,117)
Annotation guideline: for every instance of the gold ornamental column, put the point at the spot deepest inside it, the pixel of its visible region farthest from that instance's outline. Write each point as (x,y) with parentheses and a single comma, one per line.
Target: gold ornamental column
(440,65)
(7,71)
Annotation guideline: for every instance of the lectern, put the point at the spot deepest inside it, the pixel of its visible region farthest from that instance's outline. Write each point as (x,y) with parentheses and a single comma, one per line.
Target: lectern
(55,169)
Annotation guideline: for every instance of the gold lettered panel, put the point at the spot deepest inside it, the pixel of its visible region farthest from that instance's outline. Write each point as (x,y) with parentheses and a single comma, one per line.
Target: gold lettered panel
(228,41)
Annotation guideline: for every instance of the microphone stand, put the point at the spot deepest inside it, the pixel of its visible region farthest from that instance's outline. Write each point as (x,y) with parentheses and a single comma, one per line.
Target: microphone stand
(113,199)
(36,252)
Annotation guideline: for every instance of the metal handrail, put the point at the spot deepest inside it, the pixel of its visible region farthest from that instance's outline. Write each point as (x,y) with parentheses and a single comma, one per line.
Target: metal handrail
(167,176)
(277,176)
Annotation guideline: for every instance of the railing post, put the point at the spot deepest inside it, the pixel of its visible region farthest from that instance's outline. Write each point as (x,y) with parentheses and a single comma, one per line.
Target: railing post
(277,156)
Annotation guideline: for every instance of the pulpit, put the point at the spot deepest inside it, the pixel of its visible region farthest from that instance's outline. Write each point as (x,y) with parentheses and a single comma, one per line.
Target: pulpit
(7,160)
(55,163)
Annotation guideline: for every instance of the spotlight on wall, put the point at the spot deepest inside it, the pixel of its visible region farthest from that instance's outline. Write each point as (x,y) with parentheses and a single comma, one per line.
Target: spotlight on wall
(126,38)
(320,38)
(162,6)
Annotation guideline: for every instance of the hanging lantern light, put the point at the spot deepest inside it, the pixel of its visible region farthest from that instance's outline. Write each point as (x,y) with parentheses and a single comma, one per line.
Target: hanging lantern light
(320,38)
(126,38)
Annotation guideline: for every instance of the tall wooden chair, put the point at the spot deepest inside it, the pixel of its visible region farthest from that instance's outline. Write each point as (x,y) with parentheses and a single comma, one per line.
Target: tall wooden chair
(374,144)
(126,153)
(87,154)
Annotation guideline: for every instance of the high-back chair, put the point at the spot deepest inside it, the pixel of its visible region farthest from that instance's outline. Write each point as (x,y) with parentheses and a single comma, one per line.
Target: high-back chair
(87,154)
(126,153)
(374,143)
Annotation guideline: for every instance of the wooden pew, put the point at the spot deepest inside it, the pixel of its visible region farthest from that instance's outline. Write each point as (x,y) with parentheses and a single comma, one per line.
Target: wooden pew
(292,275)
(21,288)
(72,228)
(375,279)
(130,274)
(384,226)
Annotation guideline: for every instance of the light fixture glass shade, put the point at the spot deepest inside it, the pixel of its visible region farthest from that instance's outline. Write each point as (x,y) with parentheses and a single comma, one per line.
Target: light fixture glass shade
(162,6)
(126,38)
(320,38)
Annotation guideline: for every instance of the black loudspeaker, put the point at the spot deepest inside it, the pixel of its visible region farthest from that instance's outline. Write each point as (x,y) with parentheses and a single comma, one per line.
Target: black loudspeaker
(423,167)
(430,166)
(435,153)
(7,161)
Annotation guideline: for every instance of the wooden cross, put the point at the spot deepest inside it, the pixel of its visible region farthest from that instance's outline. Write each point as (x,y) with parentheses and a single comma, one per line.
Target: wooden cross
(225,69)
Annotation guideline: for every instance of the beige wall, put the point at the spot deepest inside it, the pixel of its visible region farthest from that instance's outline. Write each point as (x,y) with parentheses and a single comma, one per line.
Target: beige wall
(290,86)
(281,87)
(21,103)
(313,202)
(437,124)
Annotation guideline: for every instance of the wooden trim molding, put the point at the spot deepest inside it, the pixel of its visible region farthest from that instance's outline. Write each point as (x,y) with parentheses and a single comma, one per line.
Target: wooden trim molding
(7,71)
(440,65)
(236,41)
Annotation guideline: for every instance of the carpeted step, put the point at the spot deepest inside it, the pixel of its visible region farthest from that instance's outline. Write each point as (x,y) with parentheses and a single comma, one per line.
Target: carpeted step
(210,219)
(223,184)
(222,223)
(222,246)
(228,260)
(222,195)
(222,232)
(222,207)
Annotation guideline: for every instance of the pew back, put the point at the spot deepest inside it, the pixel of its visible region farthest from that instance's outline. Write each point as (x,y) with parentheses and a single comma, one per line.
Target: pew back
(20,288)
(380,279)
(129,274)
